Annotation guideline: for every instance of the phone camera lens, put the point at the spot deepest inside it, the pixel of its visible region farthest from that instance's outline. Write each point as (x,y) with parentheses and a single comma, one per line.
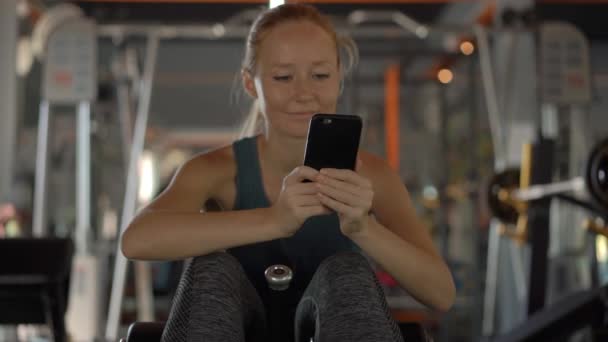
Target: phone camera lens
(327,121)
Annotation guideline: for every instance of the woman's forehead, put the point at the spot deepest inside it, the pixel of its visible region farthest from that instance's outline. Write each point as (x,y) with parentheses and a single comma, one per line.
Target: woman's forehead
(296,42)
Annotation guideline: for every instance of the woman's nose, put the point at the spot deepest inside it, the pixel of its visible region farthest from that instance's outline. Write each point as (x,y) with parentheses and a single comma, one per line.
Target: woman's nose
(304,89)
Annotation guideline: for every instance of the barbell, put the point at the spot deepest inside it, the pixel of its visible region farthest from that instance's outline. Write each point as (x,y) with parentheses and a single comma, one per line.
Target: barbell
(508,196)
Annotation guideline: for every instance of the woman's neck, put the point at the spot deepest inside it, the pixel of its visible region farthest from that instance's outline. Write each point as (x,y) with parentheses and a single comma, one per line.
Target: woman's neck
(281,153)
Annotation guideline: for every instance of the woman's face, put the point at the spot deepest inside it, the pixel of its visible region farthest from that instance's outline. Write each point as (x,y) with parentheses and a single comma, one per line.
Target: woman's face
(296,75)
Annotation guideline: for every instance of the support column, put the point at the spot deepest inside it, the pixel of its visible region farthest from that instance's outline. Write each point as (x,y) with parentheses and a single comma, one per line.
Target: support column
(8,103)
(8,110)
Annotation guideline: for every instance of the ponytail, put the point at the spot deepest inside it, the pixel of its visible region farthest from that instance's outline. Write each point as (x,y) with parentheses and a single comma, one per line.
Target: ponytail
(254,122)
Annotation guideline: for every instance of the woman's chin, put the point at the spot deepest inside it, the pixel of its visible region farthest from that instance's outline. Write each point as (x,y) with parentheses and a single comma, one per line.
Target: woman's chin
(298,131)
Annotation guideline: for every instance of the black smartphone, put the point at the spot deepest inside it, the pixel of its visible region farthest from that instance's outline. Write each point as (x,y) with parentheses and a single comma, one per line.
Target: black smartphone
(333,141)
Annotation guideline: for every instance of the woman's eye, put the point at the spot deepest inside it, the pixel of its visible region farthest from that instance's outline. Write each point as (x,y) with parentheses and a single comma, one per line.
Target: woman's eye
(321,76)
(282,78)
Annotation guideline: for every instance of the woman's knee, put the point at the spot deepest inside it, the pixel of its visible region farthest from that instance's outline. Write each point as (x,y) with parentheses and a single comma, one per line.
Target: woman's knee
(214,260)
(346,264)
(215,268)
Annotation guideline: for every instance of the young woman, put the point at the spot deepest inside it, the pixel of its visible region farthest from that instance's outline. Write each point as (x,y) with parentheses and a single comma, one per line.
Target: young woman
(293,68)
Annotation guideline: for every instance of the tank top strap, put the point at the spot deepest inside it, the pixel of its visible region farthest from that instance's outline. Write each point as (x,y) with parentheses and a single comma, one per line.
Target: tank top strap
(250,193)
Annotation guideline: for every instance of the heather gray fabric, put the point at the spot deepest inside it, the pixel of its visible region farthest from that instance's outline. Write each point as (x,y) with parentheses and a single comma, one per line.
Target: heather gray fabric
(215,302)
(345,302)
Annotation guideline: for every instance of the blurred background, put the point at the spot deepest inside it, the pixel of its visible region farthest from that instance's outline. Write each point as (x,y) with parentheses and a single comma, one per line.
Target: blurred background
(100,102)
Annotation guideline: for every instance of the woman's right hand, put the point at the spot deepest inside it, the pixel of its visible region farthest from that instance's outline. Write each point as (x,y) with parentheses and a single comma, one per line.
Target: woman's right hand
(298,200)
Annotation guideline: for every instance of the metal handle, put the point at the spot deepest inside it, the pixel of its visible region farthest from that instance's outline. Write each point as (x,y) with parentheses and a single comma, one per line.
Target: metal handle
(278,277)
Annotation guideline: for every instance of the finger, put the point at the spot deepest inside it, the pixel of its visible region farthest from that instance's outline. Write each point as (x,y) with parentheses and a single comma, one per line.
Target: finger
(300,174)
(359,164)
(340,185)
(315,211)
(348,176)
(336,205)
(303,189)
(306,200)
(348,198)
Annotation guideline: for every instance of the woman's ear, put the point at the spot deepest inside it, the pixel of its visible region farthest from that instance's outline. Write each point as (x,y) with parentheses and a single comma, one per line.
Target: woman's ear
(248,83)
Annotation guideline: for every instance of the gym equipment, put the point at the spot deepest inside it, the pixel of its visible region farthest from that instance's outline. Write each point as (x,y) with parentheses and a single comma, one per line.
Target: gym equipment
(129,207)
(508,198)
(596,226)
(34,282)
(596,175)
(66,44)
(278,277)
(144,332)
(514,200)
(562,65)
(558,322)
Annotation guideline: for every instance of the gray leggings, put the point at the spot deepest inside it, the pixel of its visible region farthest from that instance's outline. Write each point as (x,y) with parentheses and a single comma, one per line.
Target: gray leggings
(215,301)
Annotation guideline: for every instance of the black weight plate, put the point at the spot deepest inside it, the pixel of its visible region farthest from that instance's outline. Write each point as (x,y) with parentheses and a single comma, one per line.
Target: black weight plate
(507,179)
(596,174)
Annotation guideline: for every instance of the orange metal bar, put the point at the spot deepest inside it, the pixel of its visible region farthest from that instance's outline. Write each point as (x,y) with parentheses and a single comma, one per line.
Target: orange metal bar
(391,115)
(486,17)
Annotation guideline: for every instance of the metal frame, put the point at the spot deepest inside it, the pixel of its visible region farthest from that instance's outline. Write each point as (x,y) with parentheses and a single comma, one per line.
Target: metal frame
(538,223)
(564,318)
(39,209)
(83,176)
(8,95)
(130,201)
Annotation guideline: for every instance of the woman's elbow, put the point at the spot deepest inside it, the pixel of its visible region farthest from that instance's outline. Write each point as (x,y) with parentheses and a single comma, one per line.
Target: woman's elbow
(447,297)
(128,244)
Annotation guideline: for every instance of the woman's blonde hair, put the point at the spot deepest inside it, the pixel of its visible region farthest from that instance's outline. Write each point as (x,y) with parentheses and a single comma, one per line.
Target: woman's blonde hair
(346,47)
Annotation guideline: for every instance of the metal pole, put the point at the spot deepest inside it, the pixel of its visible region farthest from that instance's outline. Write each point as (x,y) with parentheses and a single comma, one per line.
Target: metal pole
(8,98)
(39,219)
(130,201)
(124,115)
(489,86)
(489,301)
(143,291)
(473,175)
(8,112)
(83,176)
(500,159)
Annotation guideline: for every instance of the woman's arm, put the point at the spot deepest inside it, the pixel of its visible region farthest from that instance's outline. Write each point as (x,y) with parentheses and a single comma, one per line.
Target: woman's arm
(173,226)
(422,273)
(402,245)
(397,241)
(169,235)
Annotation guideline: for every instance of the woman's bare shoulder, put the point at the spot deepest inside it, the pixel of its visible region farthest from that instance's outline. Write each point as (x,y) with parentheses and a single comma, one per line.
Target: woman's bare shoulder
(211,166)
(196,181)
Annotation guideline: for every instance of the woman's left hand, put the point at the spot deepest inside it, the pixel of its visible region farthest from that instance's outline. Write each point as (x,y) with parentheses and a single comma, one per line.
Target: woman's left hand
(350,195)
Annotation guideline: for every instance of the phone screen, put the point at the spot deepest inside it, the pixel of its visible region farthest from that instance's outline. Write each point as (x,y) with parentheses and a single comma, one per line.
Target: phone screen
(333,141)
